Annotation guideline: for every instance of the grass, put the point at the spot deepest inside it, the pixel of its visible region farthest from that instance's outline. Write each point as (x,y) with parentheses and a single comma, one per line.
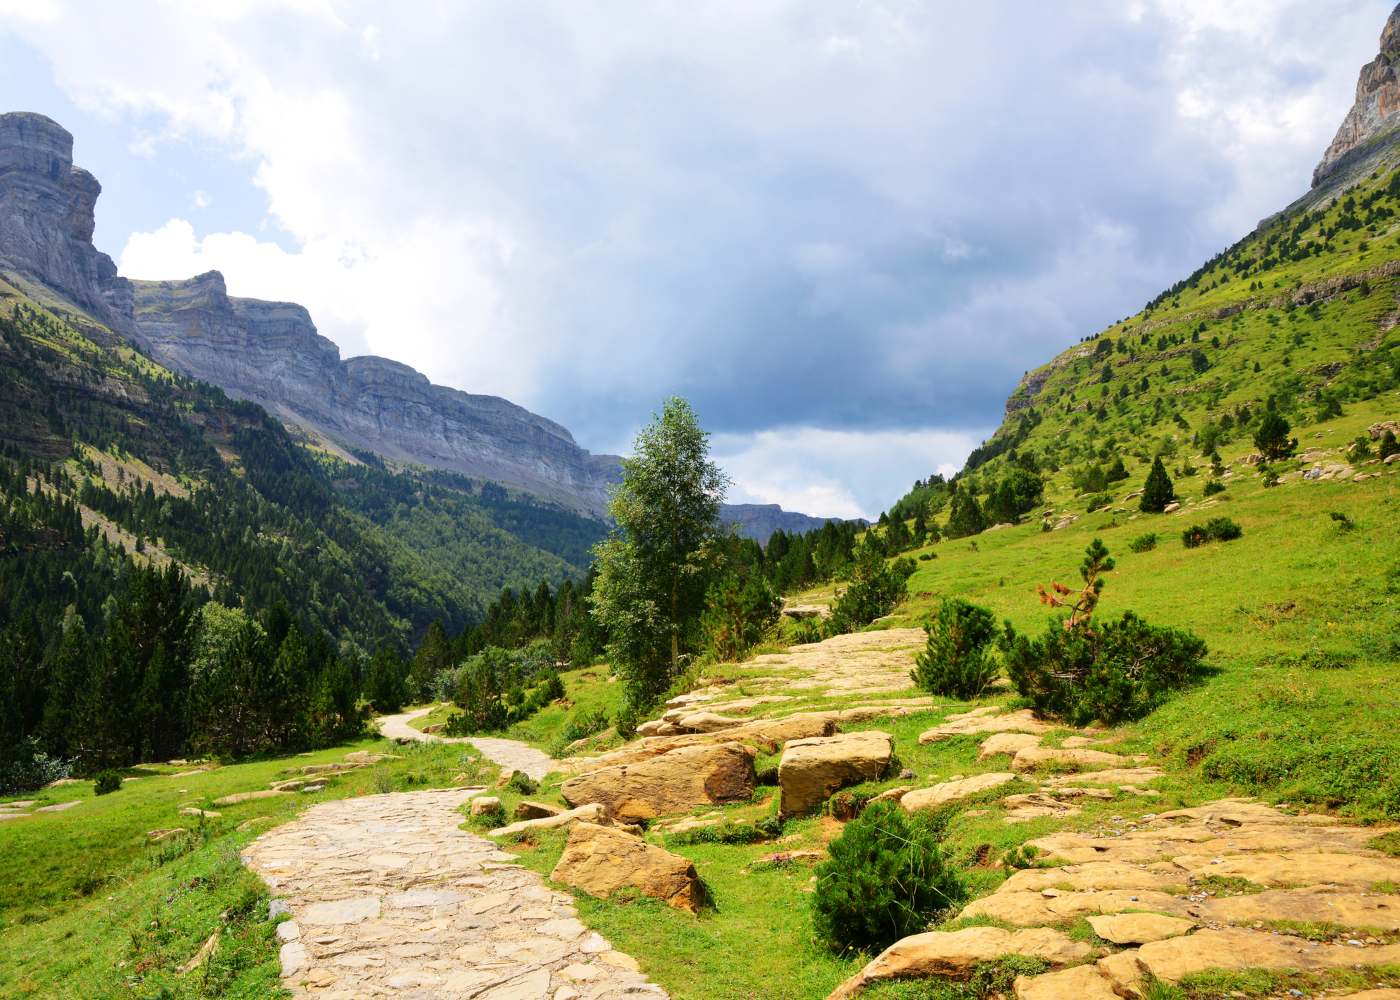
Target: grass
(90,909)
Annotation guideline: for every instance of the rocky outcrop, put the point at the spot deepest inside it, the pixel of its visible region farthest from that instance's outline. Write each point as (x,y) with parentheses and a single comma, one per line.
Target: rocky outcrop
(600,860)
(1377,109)
(759,520)
(270,352)
(47,217)
(812,769)
(670,783)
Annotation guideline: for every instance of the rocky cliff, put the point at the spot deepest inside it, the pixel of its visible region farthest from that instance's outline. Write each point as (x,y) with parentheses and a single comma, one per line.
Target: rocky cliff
(759,520)
(1376,112)
(46,218)
(270,352)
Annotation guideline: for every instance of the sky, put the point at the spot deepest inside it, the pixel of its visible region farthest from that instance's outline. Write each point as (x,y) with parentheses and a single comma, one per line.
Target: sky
(842,228)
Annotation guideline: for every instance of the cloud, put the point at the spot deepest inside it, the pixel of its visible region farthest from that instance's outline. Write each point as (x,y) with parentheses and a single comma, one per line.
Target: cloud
(868,219)
(836,473)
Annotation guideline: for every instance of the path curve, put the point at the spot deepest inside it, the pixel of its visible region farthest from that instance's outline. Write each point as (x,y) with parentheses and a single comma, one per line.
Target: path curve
(511,755)
(388,896)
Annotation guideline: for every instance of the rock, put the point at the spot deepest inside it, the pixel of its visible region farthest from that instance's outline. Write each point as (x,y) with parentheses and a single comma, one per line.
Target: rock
(238,797)
(156,836)
(1177,957)
(1375,110)
(60,806)
(1033,908)
(1171,508)
(956,954)
(1083,982)
(1035,757)
(1138,928)
(811,769)
(486,805)
(205,813)
(953,791)
(1296,868)
(367,757)
(1095,876)
(1035,805)
(892,794)
(1377,430)
(1345,909)
(594,812)
(525,809)
(202,955)
(801,611)
(671,783)
(1006,743)
(971,723)
(599,861)
(706,722)
(1119,776)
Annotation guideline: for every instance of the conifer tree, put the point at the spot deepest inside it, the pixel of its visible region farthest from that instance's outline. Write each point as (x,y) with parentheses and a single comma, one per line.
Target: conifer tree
(1157,492)
(965,516)
(1271,437)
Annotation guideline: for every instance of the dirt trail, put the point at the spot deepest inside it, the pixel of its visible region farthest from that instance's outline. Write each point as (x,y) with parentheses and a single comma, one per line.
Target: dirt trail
(388,896)
(511,755)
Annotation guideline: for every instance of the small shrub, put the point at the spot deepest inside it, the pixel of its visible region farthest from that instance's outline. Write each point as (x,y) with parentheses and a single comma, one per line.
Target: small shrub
(625,722)
(926,556)
(1217,529)
(1213,487)
(1388,446)
(106,782)
(1269,476)
(1097,502)
(522,783)
(956,661)
(1143,543)
(582,724)
(1342,522)
(1111,672)
(807,630)
(885,878)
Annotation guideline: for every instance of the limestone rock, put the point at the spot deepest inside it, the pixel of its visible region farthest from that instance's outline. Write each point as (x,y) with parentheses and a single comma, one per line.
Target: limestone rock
(1172,959)
(525,809)
(485,805)
(1035,757)
(1346,909)
(1006,743)
(594,812)
(1032,909)
(671,783)
(952,791)
(706,722)
(811,769)
(1083,982)
(955,954)
(984,721)
(1138,928)
(599,861)
(237,797)
(1376,109)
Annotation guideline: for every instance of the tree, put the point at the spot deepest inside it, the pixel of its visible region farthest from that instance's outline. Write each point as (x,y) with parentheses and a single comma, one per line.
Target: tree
(955,661)
(1157,492)
(654,569)
(386,687)
(434,656)
(965,515)
(1271,437)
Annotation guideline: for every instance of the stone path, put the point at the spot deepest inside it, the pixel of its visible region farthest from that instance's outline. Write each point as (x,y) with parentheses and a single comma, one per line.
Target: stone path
(389,897)
(511,755)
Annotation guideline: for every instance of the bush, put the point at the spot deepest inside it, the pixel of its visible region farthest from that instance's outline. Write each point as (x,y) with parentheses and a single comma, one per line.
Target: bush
(876,587)
(27,768)
(1343,522)
(1097,502)
(521,782)
(1143,543)
(625,722)
(1217,529)
(1213,487)
(1112,672)
(105,782)
(1157,492)
(885,878)
(1389,446)
(955,660)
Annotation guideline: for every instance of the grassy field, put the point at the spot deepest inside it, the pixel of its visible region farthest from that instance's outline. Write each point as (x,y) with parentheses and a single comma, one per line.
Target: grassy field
(90,909)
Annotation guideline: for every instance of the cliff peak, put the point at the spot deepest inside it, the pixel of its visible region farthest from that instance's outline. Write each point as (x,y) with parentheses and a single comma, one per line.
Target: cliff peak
(1376,111)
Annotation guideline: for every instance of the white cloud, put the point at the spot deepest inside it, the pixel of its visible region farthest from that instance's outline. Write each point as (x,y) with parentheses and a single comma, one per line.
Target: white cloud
(200,199)
(836,473)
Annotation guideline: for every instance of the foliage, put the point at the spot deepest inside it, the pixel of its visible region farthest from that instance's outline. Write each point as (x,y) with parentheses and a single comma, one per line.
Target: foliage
(1212,487)
(1271,437)
(885,878)
(1217,529)
(1341,520)
(965,516)
(1388,446)
(1143,543)
(739,605)
(955,660)
(1017,494)
(1096,562)
(876,586)
(653,571)
(1157,492)
(106,782)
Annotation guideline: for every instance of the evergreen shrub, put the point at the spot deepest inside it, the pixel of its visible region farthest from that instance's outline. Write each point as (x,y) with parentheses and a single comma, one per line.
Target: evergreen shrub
(957,660)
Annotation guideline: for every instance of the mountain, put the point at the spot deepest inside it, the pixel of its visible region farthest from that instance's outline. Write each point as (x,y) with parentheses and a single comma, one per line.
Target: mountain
(759,520)
(1300,316)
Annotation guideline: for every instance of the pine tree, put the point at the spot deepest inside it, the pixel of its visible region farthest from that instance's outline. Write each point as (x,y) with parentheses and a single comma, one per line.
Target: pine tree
(1157,492)
(965,516)
(1271,437)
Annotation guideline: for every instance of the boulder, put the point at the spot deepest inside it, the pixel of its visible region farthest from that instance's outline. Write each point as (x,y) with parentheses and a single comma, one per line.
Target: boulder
(525,809)
(675,782)
(1036,757)
(486,805)
(237,797)
(952,791)
(812,769)
(1083,982)
(368,757)
(706,722)
(983,721)
(1006,743)
(599,861)
(156,836)
(1138,928)
(592,813)
(956,954)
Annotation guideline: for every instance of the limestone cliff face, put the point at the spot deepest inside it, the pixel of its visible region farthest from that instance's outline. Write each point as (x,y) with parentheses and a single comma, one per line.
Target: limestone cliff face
(270,352)
(1377,109)
(46,216)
